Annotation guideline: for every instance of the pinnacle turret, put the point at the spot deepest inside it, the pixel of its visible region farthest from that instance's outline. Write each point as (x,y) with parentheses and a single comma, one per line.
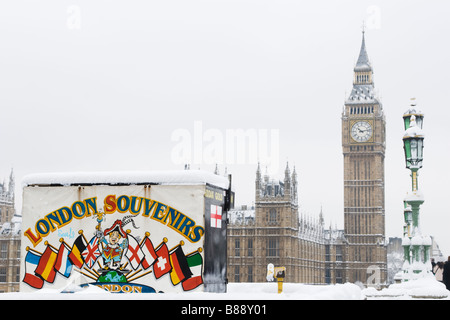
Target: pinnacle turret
(363,63)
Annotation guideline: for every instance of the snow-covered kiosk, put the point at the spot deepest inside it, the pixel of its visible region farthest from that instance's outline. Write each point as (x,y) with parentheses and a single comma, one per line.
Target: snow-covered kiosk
(125,232)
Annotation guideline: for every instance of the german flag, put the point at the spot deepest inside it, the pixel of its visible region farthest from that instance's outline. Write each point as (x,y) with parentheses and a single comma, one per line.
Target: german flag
(78,247)
(180,268)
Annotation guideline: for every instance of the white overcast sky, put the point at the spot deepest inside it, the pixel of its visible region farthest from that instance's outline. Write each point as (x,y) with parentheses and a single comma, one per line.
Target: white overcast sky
(105,85)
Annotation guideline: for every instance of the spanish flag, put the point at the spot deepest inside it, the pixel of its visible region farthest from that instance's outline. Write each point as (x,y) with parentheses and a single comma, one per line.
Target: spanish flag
(180,268)
(46,266)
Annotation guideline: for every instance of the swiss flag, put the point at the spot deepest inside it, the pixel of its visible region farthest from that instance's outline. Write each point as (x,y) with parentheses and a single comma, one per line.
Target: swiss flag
(162,264)
(216,216)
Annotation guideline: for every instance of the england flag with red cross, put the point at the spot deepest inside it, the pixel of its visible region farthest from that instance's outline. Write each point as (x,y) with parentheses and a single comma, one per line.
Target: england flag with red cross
(134,252)
(216,216)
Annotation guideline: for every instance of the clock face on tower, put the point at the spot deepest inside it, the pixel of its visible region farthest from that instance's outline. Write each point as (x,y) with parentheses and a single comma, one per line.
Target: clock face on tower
(361,131)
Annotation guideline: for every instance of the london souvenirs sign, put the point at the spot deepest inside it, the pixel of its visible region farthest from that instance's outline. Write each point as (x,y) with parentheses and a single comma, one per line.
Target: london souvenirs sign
(140,232)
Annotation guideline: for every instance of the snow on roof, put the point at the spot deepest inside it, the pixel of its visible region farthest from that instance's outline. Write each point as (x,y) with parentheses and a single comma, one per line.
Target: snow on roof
(414,130)
(181,177)
(362,94)
(414,196)
(241,216)
(12,228)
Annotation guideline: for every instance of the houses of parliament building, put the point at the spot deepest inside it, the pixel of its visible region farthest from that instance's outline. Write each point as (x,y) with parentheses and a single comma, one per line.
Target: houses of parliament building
(9,239)
(274,231)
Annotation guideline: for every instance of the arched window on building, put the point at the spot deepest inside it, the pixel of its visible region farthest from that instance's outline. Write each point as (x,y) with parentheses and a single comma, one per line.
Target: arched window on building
(272,215)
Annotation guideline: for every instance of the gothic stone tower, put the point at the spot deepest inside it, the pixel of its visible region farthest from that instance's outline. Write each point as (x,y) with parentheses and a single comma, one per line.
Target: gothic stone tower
(363,146)
(276,222)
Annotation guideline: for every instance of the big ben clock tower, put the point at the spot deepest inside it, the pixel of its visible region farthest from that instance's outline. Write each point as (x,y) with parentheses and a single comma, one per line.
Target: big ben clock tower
(363,146)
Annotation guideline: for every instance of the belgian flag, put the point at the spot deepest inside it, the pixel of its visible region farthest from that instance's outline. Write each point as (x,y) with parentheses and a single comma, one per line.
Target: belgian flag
(180,268)
(78,247)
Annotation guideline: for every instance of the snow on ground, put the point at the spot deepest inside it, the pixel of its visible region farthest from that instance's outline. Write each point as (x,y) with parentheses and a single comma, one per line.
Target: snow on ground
(235,291)
(295,291)
(424,288)
(419,289)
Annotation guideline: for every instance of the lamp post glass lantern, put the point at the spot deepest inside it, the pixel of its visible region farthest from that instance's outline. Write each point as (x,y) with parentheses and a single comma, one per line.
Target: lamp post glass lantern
(408,214)
(407,117)
(413,147)
(413,152)
(413,112)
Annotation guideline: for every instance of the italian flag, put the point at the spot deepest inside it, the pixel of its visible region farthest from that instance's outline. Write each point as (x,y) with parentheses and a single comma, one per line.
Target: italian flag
(195,263)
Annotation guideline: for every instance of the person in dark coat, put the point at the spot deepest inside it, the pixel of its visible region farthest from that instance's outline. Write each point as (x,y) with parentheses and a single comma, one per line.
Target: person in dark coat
(446,274)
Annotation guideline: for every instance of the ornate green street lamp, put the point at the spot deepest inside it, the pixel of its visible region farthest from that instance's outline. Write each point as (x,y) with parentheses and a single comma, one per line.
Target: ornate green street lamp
(416,247)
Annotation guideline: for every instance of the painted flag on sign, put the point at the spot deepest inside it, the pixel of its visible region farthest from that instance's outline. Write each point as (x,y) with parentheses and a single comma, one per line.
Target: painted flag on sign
(180,268)
(46,266)
(134,252)
(63,264)
(91,253)
(195,263)
(31,263)
(78,247)
(149,253)
(162,264)
(216,216)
